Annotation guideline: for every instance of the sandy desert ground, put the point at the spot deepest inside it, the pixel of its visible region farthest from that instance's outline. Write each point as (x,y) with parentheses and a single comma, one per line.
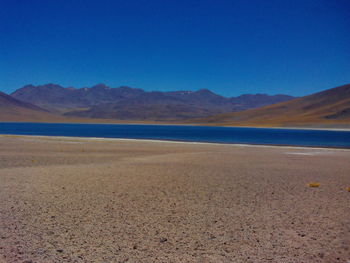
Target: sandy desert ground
(85,200)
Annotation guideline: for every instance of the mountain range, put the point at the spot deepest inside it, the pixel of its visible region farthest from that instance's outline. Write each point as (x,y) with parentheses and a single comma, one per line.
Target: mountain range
(327,107)
(53,103)
(125,103)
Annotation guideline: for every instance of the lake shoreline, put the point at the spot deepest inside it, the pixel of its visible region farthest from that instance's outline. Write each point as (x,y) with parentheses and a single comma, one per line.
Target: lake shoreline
(181,133)
(106,139)
(339,128)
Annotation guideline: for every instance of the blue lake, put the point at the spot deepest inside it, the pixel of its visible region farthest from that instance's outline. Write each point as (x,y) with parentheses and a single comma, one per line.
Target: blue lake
(265,136)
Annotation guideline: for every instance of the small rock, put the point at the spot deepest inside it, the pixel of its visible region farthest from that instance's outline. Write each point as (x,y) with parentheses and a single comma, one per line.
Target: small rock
(59,250)
(212,236)
(163,239)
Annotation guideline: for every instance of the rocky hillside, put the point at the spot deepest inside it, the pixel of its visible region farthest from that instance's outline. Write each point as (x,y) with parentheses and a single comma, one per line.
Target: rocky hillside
(101,101)
(329,106)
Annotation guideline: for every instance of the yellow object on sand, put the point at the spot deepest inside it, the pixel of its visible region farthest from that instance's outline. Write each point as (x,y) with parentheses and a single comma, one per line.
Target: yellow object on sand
(348,188)
(314,184)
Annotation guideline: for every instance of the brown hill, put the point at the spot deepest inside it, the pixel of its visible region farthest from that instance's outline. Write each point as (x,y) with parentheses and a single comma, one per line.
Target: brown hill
(15,110)
(327,107)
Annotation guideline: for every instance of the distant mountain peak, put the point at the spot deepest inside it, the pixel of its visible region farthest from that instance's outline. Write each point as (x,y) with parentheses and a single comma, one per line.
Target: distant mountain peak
(51,86)
(100,86)
(185,92)
(125,88)
(205,91)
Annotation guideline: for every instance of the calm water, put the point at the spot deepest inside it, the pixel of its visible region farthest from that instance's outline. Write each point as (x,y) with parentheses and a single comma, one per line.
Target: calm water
(185,133)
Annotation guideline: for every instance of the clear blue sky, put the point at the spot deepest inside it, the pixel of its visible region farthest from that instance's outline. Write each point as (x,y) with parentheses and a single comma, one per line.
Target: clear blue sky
(231,47)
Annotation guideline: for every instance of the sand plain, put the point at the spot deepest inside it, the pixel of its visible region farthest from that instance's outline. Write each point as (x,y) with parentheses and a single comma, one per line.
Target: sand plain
(86,200)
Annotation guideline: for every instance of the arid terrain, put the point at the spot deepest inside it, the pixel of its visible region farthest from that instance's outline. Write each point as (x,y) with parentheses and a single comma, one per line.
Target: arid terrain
(89,200)
(324,109)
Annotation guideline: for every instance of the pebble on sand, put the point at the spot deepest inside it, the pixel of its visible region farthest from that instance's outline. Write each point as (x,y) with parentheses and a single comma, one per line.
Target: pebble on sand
(163,239)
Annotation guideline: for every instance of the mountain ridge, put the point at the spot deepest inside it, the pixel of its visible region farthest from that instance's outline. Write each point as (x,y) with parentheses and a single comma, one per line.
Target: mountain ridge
(101,101)
(12,109)
(328,106)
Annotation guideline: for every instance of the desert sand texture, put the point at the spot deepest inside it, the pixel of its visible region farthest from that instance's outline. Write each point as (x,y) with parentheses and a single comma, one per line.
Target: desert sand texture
(86,200)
